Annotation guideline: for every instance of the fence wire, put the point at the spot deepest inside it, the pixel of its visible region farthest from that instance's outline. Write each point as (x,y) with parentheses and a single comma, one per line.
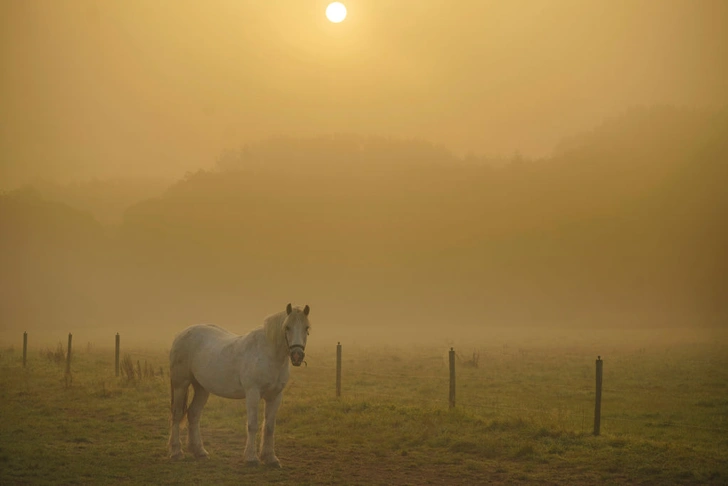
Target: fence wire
(481,388)
(665,423)
(579,413)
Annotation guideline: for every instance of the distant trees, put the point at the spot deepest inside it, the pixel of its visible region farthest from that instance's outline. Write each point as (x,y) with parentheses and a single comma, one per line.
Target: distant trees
(626,220)
(338,154)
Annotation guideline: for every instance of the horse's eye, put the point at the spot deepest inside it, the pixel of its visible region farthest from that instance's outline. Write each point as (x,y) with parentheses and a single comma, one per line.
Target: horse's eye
(307,331)
(288,328)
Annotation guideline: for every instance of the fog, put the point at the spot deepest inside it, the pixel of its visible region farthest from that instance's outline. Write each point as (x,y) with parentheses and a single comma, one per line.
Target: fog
(422,167)
(93,88)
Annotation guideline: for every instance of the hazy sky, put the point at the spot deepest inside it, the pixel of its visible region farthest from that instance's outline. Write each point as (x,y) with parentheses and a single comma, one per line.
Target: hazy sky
(96,88)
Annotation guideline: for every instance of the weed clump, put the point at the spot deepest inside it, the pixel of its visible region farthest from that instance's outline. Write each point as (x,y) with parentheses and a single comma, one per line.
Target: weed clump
(138,372)
(127,368)
(58,356)
(471,362)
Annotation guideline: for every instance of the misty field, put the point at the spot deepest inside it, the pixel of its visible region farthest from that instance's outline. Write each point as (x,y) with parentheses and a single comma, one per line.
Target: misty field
(524,413)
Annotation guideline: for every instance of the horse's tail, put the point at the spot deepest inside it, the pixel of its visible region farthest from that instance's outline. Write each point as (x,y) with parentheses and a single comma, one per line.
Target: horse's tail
(183,406)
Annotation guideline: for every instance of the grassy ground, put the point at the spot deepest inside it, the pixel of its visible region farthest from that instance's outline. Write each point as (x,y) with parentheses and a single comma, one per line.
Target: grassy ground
(523,415)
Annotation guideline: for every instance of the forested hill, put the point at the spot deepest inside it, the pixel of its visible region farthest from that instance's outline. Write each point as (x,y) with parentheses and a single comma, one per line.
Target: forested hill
(623,225)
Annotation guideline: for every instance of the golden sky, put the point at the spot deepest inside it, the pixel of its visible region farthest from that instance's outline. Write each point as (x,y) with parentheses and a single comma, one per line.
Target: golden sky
(97,88)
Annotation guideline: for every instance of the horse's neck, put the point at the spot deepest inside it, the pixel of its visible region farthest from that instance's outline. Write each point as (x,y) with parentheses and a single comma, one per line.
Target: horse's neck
(279,349)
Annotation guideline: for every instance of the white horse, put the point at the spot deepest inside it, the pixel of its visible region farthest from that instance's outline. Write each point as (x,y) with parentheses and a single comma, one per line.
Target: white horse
(252,367)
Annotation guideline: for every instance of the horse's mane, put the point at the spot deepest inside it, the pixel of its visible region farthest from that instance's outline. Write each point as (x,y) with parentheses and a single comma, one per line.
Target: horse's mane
(273,327)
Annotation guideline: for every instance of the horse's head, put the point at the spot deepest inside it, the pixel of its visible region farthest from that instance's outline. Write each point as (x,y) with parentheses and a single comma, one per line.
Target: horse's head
(295,327)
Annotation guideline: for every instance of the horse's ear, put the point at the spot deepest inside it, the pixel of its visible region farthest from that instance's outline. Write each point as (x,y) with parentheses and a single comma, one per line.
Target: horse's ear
(289,309)
(306,309)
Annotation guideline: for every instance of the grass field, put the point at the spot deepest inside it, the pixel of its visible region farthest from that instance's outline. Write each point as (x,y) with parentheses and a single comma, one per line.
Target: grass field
(523,415)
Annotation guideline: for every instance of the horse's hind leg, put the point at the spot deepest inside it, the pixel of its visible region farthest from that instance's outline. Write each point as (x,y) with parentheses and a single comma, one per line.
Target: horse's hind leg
(179,408)
(193,417)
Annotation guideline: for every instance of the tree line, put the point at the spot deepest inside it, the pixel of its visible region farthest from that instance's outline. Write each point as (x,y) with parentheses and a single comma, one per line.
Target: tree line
(622,225)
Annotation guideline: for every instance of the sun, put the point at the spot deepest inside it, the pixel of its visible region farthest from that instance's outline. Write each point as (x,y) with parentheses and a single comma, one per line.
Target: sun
(336,12)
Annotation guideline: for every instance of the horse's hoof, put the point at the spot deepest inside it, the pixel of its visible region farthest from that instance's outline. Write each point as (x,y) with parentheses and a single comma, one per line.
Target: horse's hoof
(253,463)
(270,460)
(202,455)
(274,464)
(176,456)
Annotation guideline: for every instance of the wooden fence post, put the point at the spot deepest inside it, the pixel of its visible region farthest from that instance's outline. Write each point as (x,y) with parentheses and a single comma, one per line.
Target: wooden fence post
(25,347)
(116,355)
(452,378)
(338,370)
(598,400)
(68,360)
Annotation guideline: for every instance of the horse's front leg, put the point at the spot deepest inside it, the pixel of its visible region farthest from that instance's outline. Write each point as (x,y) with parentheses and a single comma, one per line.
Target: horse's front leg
(267,454)
(252,399)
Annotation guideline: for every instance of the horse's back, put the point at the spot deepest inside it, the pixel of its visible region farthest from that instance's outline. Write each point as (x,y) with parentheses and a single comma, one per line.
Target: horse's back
(201,331)
(201,338)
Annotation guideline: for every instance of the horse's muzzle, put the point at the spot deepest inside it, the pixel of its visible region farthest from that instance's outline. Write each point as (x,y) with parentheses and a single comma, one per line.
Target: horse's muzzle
(297,355)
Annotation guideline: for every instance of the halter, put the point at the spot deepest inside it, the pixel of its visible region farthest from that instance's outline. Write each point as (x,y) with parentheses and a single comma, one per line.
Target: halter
(291,348)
